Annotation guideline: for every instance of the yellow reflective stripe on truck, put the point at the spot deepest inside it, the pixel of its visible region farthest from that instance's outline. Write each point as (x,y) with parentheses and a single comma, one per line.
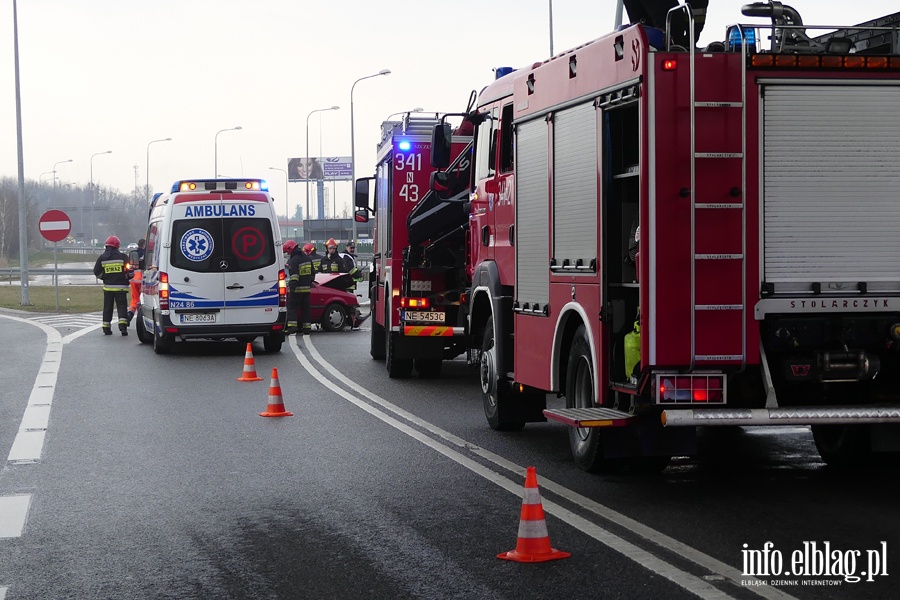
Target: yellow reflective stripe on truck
(427,331)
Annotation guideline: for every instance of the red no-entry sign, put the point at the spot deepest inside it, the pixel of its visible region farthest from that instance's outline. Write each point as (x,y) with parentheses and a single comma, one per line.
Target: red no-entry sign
(55,225)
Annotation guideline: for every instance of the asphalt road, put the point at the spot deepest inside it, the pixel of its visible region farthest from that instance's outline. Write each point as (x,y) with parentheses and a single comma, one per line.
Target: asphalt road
(156,478)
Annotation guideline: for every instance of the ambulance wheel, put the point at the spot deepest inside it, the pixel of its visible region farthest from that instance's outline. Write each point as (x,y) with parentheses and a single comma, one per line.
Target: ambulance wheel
(397,368)
(272,342)
(496,396)
(143,336)
(842,445)
(161,344)
(334,317)
(376,340)
(429,368)
(586,443)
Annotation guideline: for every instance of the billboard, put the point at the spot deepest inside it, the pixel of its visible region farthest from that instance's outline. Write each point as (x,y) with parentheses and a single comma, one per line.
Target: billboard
(328,168)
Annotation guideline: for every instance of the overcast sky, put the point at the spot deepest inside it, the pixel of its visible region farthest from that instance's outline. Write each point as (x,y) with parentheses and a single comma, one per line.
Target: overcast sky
(101,75)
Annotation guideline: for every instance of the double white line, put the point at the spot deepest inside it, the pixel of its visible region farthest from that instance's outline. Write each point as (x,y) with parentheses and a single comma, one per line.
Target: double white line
(692,583)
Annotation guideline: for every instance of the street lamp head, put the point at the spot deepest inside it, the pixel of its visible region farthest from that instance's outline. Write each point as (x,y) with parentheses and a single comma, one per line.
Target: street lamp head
(238,127)
(384,72)
(335,107)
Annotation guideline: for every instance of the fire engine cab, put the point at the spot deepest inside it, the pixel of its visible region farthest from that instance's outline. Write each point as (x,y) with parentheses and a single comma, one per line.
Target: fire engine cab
(419,280)
(673,238)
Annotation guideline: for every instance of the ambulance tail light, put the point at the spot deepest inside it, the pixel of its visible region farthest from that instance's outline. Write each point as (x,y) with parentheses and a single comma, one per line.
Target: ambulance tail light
(282,289)
(406,302)
(695,388)
(163,291)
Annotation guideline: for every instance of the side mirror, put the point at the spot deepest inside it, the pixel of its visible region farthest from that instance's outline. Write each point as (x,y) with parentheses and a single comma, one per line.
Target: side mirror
(361,216)
(361,193)
(440,181)
(440,146)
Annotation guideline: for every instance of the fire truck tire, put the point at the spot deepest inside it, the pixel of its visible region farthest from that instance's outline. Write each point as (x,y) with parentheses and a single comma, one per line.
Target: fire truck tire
(429,368)
(161,344)
(842,445)
(499,403)
(397,368)
(376,340)
(586,443)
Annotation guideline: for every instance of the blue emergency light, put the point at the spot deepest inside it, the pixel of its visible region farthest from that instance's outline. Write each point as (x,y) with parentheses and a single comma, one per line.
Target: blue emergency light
(734,39)
(404,145)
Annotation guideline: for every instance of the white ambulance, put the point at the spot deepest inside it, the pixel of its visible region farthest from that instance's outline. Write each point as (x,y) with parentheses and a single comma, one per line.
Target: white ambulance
(214,268)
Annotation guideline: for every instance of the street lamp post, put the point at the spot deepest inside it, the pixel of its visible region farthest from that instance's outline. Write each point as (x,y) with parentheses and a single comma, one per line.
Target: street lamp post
(147,172)
(404,112)
(352,144)
(286,214)
(216,165)
(54,169)
(311,113)
(93,194)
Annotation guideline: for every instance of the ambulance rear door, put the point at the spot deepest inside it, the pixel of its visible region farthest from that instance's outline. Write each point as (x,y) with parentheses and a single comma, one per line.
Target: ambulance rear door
(249,259)
(223,269)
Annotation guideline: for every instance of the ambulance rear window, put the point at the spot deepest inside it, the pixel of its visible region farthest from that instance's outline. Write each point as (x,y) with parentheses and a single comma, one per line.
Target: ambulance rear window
(226,245)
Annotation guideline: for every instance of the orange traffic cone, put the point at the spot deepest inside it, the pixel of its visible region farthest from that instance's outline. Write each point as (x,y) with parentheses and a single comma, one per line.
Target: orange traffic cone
(249,373)
(276,404)
(533,544)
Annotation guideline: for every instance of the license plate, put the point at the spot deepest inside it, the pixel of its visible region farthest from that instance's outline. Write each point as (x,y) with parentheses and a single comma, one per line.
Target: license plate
(199,318)
(425,316)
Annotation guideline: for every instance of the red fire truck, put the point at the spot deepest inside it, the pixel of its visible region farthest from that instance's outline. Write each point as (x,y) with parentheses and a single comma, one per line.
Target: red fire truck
(673,238)
(419,279)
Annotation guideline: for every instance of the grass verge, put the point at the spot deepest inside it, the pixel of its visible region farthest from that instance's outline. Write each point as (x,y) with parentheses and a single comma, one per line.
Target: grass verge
(72,298)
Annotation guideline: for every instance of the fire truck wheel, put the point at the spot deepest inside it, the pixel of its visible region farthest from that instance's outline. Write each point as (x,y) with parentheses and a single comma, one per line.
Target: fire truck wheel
(500,407)
(842,445)
(376,340)
(397,368)
(585,442)
(429,368)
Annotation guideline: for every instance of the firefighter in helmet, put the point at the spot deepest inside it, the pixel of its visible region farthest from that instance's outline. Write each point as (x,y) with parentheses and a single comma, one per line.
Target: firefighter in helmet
(299,268)
(314,256)
(305,274)
(112,268)
(332,261)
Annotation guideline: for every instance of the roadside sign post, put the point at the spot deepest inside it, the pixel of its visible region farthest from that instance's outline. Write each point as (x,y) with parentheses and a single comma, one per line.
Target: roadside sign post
(55,226)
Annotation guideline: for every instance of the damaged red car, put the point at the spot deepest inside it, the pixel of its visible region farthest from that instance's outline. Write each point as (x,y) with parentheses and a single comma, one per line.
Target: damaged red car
(331,305)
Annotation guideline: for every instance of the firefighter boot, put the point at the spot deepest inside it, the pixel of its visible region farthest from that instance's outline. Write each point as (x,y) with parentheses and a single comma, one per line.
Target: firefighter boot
(291,328)
(107,330)
(130,316)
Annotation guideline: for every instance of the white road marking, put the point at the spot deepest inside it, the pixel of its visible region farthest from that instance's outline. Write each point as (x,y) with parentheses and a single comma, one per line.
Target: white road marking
(28,445)
(13,514)
(691,583)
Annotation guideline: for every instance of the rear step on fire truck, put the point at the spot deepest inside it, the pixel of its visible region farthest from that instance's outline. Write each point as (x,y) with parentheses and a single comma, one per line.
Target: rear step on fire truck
(732,210)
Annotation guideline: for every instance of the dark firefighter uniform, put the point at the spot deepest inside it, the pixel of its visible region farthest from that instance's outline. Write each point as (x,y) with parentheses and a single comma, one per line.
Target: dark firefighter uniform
(349,258)
(332,261)
(300,276)
(111,269)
